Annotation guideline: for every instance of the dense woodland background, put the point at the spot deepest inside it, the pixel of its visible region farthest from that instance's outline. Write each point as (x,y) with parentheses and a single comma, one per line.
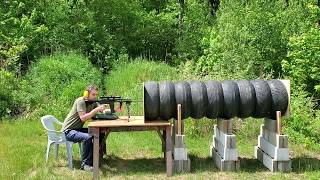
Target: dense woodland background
(51,49)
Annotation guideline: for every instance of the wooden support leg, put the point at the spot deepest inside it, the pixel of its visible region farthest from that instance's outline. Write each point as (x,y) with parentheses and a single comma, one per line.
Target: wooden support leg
(163,142)
(96,134)
(164,145)
(168,151)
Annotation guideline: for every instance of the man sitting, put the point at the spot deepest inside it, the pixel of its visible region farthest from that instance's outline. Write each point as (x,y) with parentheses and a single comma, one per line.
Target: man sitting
(73,124)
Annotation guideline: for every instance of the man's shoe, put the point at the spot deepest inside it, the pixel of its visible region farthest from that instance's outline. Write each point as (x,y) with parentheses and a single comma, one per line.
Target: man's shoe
(87,168)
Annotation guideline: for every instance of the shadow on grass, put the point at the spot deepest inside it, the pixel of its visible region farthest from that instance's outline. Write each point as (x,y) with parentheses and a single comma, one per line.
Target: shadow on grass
(114,165)
(207,164)
(251,165)
(305,164)
(201,164)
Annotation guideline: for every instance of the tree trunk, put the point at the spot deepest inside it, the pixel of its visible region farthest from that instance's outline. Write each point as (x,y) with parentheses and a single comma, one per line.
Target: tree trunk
(182,6)
(319,8)
(214,6)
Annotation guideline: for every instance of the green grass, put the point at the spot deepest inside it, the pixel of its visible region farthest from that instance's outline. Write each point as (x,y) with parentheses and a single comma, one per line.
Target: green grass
(132,155)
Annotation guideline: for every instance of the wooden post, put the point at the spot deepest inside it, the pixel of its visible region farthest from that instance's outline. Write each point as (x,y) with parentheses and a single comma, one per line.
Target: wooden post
(168,151)
(279,122)
(179,119)
(96,133)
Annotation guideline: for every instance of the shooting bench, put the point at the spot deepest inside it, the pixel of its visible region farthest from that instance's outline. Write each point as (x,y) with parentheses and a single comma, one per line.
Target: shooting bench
(136,123)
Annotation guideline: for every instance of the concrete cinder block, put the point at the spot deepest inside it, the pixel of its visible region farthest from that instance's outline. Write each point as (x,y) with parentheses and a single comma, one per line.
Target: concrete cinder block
(278,154)
(181,166)
(180,154)
(224,165)
(271,164)
(228,140)
(270,124)
(278,140)
(225,152)
(179,141)
(258,153)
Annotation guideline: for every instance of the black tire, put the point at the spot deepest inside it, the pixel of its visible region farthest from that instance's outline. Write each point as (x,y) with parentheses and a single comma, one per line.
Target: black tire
(199,99)
(247,99)
(280,97)
(151,100)
(215,99)
(167,100)
(231,99)
(183,97)
(263,98)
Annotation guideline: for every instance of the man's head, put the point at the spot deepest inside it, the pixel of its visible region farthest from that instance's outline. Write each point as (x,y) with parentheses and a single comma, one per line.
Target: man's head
(92,93)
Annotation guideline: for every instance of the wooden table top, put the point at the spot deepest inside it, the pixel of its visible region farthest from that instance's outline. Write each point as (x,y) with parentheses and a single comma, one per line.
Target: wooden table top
(122,121)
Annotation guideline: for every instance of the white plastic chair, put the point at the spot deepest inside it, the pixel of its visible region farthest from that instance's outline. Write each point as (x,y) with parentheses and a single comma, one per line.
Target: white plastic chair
(57,137)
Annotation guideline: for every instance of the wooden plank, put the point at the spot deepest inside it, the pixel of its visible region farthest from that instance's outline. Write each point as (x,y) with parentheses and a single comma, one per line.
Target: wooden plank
(179,119)
(169,151)
(96,134)
(122,123)
(134,128)
(279,127)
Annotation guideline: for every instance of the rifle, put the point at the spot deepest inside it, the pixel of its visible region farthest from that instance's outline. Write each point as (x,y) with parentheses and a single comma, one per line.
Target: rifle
(111,100)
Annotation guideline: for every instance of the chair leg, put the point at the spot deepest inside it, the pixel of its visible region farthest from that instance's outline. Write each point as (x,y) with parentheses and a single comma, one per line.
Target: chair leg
(56,151)
(69,154)
(48,151)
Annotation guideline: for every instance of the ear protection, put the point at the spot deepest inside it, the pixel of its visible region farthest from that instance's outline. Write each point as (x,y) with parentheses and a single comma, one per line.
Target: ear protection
(88,90)
(86,93)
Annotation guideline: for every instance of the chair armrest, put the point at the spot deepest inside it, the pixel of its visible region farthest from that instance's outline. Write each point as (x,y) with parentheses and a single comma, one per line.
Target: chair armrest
(54,131)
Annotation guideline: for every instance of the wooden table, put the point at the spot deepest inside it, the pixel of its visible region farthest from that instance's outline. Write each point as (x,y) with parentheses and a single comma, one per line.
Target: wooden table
(135,124)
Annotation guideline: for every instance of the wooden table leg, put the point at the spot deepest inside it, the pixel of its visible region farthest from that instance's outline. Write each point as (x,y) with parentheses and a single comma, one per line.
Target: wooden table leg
(96,134)
(168,151)
(164,143)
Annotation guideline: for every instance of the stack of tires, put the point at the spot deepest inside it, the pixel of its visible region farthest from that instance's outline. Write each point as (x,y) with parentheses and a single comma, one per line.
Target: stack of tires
(213,99)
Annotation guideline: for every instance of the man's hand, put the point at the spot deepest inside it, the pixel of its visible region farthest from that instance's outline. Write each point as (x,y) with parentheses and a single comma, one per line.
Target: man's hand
(100,108)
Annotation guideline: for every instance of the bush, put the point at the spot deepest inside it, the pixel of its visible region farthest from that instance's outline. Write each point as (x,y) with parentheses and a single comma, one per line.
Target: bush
(126,79)
(303,125)
(7,84)
(53,83)
(302,63)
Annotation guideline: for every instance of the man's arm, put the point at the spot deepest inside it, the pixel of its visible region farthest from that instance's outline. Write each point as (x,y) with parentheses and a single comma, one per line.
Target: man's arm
(85,116)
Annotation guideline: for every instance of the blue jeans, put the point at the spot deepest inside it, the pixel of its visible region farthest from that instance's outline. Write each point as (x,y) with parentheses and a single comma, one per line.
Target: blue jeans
(82,135)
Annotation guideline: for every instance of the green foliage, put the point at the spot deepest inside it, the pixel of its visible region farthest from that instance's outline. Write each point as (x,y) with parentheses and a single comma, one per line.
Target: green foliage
(53,83)
(18,33)
(126,80)
(302,64)
(197,24)
(7,84)
(250,38)
(303,125)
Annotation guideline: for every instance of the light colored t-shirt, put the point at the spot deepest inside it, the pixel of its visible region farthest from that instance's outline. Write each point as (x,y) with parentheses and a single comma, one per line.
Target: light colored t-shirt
(73,120)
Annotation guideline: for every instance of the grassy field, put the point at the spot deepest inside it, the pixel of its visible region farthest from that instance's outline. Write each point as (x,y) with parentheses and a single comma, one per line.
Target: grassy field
(135,155)
(132,155)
